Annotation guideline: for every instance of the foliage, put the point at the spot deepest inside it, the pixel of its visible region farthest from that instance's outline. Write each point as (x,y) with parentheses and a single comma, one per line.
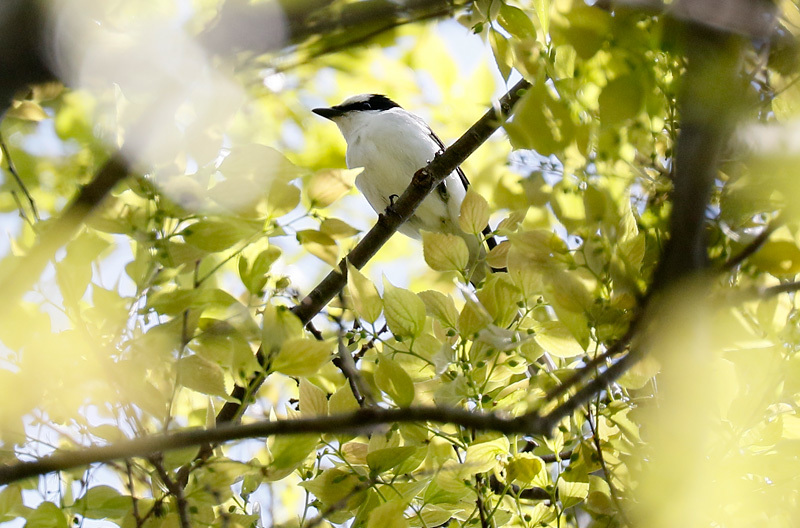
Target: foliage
(172,303)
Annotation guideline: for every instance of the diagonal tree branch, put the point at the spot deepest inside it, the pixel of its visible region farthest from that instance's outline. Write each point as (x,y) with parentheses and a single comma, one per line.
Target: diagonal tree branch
(362,420)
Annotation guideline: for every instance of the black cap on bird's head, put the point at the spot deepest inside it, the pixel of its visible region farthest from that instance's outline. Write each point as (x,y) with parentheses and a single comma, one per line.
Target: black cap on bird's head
(358,103)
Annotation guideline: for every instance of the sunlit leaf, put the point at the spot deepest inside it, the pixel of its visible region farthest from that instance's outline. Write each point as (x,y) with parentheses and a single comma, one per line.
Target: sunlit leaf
(201,375)
(394,381)
(405,312)
(445,252)
(301,357)
(366,300)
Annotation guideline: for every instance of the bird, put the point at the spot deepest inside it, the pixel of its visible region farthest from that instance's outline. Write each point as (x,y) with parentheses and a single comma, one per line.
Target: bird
(391,144)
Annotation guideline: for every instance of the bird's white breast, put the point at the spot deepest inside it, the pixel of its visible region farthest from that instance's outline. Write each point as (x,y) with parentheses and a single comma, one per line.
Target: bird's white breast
(391,146)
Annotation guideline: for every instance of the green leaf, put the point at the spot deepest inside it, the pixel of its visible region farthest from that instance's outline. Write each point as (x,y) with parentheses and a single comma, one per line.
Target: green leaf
(516,22)
(541,122)
(342,401)
(621,99)
(523,468)
(279,324)
(255,277)
(542,8)
(201,375)
(484,456)
(282,199)
(102,502)
(557,340)
(10,503)
(474,215)
(599,498)
(385,459)
(441,307)
(313,400)
(473,318)
(289,451)
(335,228)
(445,252)
(394,381)
(366,301)
(388,515)
(405,312)
(778,257)
(333,485)
(217,235)
(327,186)
(572,493)
(301,357)
(47,515)
(501,51)
(260,163)
(320,245)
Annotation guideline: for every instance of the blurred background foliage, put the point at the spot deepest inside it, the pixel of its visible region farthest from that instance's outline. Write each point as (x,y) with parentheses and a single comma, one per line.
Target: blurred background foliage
(238,203)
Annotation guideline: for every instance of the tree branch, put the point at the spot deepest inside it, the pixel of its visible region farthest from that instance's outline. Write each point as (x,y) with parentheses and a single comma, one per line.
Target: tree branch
(359,421)
(751,248)
(13,170)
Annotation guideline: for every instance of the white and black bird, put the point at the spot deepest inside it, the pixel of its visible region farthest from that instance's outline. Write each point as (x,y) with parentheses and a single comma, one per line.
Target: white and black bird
(391,144)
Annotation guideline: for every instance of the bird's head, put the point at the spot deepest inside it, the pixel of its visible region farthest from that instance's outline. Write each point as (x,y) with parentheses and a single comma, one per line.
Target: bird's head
(356,110)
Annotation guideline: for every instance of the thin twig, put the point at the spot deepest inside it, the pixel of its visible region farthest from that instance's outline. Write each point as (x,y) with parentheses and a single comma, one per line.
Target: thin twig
(344,362)
(175,489)
(134,500)
(13,170)
(752,247)
(596,441)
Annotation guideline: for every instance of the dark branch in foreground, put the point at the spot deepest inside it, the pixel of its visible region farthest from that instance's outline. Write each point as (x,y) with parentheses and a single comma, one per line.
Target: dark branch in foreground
(359,421)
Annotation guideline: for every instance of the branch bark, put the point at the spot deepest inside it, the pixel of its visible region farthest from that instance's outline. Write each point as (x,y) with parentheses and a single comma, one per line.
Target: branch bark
(359,421)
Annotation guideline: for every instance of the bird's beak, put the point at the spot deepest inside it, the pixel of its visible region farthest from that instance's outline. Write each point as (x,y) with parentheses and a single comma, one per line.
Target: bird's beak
(328,113)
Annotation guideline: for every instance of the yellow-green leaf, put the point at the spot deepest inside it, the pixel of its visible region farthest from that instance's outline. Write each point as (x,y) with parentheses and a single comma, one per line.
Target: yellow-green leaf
(440,306)
(217,235)
(366,300)
(279,324)
(523,468)
(621,99)
(557,340)
(387,458)
(282,198)
(301,357)
(335,228)
(474,215)
(313,400)
(289,451)
(484,456)
(394,381)
(201,375)
(388,515)
(327,186)
(405,312)
(445,252)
